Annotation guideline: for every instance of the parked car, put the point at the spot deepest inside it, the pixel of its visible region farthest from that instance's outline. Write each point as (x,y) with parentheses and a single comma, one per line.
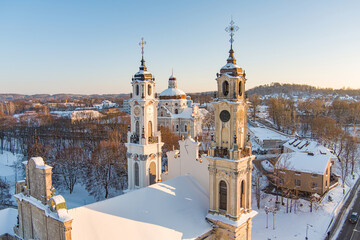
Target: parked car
(354,217)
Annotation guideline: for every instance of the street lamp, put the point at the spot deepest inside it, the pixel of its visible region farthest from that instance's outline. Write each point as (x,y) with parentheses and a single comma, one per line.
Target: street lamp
(307,228)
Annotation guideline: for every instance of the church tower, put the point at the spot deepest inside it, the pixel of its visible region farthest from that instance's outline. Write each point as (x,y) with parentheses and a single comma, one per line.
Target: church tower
(230,157)
(144,140)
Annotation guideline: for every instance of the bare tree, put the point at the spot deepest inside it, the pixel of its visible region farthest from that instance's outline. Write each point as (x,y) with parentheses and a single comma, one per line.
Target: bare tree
(5,196)
(255,101)
(257,179)
(69,165)
(102,176)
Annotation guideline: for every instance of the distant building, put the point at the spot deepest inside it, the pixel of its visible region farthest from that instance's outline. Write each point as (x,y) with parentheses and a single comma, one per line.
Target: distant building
(85,115)
(268,139)
(126,107)
(106,104)
(303,172)
(178,112)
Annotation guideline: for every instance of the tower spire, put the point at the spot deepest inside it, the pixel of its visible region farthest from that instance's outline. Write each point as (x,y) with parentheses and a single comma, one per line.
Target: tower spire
(142,43)
(231,29)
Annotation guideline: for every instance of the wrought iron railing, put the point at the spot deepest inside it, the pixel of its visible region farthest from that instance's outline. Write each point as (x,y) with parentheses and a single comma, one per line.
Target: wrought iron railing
(134,138)
(221,152)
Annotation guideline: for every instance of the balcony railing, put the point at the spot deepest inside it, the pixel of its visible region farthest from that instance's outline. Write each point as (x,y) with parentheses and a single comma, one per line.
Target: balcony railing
(221,152)
(134,138)
(153,139)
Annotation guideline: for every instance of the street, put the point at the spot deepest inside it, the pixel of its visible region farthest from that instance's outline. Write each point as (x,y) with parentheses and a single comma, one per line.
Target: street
(351,231)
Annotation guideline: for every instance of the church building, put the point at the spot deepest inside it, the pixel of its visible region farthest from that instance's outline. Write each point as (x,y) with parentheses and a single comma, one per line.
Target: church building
(178,112)
(201,196)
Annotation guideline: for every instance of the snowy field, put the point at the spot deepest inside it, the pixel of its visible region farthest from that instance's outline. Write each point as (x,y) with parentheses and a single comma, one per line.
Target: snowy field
(8,170)
(78,198)
(293,225)
(7,167)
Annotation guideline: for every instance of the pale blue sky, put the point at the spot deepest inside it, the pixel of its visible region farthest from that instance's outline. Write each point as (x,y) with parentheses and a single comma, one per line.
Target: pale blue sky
(91,46)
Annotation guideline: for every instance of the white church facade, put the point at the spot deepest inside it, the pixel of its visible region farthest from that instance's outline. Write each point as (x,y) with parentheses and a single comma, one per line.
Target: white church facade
(199,197)
(177,111)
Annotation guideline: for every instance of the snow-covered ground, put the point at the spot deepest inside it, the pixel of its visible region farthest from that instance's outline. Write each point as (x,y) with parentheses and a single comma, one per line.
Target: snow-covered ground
(10,169)
(293,225)
(7,169)
(79,197)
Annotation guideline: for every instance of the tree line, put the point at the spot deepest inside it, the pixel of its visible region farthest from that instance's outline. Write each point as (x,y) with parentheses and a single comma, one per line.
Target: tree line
(88,152)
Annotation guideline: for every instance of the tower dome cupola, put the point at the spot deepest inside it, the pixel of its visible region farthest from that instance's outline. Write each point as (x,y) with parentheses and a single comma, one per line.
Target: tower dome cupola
(231,68)
(143,74)
(172,81)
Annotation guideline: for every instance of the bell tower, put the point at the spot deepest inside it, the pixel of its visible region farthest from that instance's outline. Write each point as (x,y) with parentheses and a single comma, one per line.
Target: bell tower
(144,140)
(230,155)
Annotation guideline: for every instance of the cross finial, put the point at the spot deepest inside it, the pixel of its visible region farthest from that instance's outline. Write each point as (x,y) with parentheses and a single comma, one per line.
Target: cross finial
(231,29)
(142,43)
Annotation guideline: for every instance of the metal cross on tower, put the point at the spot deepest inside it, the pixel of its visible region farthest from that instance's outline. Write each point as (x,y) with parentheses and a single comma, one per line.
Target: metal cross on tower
(231,29)
(142,43)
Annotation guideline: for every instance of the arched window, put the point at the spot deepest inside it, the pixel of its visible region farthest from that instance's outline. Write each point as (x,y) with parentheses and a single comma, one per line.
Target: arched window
(149,89)
(136,174)
(222,195)
(176,111)
(161,114)
(177,128)
(176,104)
(240,88)
(137,90)
(137,128)
(242,194)
(185,128)
(152,173)
(149,129)
(225,88)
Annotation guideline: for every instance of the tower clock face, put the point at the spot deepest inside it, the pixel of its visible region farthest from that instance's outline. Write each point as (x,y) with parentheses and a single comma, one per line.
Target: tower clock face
(137,111)
(224,116)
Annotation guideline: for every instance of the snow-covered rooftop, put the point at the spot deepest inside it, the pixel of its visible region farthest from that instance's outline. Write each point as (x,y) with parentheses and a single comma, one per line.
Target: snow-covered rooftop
(174,209)
(230,66)
(309,146)
(303,162)
(186,113)
(171,92)
(8,219)
(263,133)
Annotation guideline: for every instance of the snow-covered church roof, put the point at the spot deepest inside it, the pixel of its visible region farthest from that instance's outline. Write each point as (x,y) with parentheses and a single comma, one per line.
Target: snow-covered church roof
(171,92)
(174,209)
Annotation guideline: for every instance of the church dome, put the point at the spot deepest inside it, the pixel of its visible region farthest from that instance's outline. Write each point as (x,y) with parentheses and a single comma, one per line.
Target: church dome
(172,92)
(143,74)
(231,67)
